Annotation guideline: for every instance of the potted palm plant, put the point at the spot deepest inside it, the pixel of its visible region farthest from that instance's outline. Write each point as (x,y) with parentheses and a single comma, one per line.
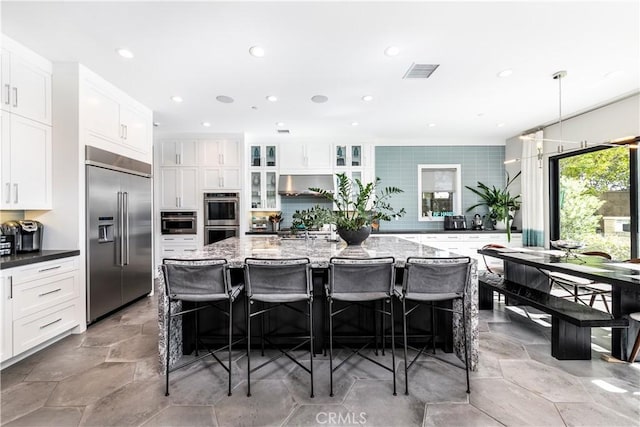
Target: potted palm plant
(501,204)
(357,206)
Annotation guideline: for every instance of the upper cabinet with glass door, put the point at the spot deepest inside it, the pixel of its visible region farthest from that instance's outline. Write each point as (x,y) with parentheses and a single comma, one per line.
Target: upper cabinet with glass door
(261,156)
(350,156)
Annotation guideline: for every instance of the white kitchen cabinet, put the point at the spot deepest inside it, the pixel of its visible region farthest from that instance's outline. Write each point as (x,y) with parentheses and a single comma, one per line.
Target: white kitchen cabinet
(112,120)
(220,178)
(263,156)
(26,82)
(305,156)
(222,153)
(26,163)
(173,246)
(6,315)
(264,190)
(178,153)
(40,301)
(351,156)
(179,188)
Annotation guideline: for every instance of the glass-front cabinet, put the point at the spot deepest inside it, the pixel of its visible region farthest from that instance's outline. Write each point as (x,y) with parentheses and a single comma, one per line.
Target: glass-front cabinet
(264,194)
(349,156)
(263,156)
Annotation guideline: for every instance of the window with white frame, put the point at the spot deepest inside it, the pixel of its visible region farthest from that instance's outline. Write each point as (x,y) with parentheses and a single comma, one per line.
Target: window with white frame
(439,191)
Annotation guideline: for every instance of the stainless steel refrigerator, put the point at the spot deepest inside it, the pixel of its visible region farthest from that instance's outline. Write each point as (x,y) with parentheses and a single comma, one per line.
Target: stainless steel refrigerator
(119,230)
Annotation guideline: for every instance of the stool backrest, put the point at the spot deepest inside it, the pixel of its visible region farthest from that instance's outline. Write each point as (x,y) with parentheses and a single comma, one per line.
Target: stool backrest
(597,253)
(437,275)
(194,278)
(277,276)
(361,275)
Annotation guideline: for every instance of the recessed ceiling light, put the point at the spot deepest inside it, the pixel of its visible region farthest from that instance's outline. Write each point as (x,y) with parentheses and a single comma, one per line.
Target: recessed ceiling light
(156,124)
(367,98)
(224,99)
(125,53)
(391,51)
(254,107)
(256,51)
(432,125)
(280,124)
(505,73)
(500,125)
(206,124)
(272,98)
(319,99)
(354,123)
(480,114)
(176,98)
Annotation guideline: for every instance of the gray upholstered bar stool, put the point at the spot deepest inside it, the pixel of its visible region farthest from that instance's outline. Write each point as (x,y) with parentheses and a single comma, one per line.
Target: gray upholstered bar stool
(278,282)
(356,281)
(205,283)
(430,280)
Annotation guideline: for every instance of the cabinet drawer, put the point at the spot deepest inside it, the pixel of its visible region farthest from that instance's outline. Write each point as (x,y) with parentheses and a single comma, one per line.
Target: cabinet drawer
(172,251)
(36,295)
(37,328)
(45,269)
(178,239)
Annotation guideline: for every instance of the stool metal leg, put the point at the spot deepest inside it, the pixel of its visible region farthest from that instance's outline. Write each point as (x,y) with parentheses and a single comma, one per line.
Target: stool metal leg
(249,348)
(382,315)
(195,314)
(230,340)
(466,353)
(404,335)
(393,347)
(433,328)
(262,330)
(167,346)
(330,347)
(311,341)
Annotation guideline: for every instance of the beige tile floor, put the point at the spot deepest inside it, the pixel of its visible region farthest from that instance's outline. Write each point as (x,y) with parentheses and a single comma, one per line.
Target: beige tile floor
(109,376)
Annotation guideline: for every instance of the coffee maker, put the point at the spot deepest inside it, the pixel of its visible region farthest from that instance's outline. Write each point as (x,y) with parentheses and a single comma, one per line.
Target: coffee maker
(27,235)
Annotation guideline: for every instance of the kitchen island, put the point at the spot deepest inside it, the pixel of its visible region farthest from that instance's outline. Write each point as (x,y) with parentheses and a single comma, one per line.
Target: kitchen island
(319,251)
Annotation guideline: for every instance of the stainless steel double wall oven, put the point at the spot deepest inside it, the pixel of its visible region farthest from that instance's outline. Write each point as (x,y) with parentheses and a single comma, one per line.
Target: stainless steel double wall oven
(221,216)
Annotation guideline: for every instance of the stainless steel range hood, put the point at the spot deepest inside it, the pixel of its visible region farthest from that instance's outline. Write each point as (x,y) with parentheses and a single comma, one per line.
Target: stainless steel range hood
(298,185)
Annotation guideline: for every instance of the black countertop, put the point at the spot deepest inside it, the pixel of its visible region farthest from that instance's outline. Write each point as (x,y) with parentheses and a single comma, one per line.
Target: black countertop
(35,257)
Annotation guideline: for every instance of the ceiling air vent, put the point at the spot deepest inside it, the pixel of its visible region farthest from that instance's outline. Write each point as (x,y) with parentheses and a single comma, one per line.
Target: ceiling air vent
(283,131)
(420,71)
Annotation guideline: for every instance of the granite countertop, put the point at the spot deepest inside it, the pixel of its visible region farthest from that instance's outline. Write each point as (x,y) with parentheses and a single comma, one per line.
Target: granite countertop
(27,258)
(319,251)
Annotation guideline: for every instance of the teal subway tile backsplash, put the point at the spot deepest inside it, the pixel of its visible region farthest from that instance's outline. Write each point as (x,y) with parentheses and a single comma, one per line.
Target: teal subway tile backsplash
(398,166)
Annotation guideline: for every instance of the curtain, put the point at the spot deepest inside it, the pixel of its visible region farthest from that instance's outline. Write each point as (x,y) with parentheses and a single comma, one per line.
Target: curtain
(532,191)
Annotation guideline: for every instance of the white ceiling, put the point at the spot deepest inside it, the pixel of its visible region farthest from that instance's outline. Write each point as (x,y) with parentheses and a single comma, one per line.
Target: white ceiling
(199,50)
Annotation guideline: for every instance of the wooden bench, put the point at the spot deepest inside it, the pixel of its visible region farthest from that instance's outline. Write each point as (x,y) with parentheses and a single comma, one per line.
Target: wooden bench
(571,322)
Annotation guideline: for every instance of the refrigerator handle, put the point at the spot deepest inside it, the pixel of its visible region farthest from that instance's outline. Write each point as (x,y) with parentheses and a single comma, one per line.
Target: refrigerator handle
(121,227)
(126,229)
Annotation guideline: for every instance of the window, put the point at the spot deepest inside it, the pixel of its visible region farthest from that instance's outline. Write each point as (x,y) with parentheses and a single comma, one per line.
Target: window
(593,200)
(439,191)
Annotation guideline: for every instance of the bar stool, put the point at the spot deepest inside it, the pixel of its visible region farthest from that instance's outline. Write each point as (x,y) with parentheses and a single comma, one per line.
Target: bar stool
(198,281)
(355,281)
(278,282)
(429,280)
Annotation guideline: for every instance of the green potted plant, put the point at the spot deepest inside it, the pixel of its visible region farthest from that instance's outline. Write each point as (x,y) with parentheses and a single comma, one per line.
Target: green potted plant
(501,204)
(307,219)
(358,205)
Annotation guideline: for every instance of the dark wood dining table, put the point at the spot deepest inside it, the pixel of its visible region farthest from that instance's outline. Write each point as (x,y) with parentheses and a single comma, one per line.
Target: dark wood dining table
(530,267)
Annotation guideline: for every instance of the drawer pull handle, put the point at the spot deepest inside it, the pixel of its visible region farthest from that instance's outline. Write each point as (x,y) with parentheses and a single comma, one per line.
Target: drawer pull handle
(190,250)
(50,292)
(49,269)
(50,323)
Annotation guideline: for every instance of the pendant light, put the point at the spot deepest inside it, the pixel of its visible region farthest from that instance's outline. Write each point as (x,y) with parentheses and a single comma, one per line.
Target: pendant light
(559,75)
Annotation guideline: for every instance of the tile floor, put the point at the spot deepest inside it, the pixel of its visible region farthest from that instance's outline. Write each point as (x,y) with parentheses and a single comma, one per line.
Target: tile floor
(108,377)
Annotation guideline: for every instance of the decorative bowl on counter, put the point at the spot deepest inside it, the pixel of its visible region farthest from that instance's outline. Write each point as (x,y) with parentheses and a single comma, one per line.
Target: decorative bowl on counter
(566,244)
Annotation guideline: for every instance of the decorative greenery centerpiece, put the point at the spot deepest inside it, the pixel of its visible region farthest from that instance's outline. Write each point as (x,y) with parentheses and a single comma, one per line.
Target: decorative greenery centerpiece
(357,206)
(502,205)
